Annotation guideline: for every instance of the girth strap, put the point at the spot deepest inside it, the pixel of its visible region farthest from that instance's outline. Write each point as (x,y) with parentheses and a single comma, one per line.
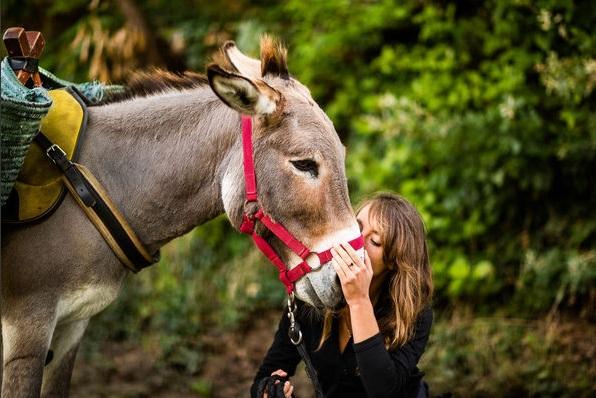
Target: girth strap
(95,202)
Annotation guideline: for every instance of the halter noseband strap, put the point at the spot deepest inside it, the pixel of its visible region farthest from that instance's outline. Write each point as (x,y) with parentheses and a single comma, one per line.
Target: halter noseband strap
(287,276)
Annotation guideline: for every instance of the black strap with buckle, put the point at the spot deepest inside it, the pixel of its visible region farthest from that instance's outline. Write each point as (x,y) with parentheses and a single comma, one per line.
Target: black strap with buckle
(73,175)
(93,200)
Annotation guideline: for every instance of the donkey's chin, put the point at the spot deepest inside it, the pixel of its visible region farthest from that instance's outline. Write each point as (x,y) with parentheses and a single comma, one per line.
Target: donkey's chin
(320,288)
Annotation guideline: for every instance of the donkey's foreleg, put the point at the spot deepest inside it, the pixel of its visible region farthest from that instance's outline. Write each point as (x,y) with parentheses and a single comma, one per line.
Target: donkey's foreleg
(25,342)
(64,346)
(1,356)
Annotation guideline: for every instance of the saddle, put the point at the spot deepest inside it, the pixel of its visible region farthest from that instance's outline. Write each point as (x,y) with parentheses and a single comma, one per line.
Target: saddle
(38,106)
(39,188)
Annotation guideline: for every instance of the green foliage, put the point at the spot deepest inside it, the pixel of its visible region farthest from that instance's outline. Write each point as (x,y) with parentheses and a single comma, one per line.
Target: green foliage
(483,116)
(501,357)
(202,387)
(555,278)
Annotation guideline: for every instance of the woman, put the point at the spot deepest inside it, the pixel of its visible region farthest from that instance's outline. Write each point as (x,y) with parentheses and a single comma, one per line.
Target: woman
(371,347)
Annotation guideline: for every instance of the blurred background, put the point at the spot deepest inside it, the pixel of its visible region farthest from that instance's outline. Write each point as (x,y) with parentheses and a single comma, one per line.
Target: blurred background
(480,113)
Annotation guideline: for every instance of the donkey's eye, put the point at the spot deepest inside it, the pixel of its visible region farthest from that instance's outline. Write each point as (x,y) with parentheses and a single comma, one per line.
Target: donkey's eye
(307,166)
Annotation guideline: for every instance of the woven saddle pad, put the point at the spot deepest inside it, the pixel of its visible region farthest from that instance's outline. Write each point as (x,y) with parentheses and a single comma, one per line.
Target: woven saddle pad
(39,188)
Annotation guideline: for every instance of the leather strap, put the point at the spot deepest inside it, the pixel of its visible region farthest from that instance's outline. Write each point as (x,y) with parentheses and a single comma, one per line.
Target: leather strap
(326,256)
(93,199)
(310,370)
(250,179)
(57,155)
(287,238)
(295,336)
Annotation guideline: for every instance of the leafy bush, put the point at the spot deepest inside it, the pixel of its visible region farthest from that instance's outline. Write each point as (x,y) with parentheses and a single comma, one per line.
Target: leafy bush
(505,357)
(481,115)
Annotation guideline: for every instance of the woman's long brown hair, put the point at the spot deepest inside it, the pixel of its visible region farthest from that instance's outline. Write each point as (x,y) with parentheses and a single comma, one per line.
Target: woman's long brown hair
(409,286)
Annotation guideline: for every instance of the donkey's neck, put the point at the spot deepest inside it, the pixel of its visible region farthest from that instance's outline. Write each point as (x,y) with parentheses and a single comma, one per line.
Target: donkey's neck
(162,159)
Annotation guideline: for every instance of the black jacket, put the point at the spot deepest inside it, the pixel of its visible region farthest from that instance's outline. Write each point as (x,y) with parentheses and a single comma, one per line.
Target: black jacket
(365,369)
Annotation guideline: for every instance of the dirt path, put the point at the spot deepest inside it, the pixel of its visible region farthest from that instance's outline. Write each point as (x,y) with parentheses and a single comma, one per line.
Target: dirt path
(126,370)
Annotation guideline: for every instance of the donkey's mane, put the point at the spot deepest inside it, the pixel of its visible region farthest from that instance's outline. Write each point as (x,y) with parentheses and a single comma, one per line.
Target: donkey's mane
(155,81)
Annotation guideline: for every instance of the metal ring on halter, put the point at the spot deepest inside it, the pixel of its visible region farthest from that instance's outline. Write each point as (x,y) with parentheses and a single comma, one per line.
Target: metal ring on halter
(313,266)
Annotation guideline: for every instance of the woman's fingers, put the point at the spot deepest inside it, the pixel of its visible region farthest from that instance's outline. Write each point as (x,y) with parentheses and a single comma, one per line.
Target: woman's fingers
(356,259)
(341,263)
(345,261)
(279,372)
(288,389)
(342,254)
(347,258)
(339,270)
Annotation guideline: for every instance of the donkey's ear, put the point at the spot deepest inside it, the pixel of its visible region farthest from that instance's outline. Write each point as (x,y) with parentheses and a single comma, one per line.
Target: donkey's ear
(243,64)
(273,58)
(242,94)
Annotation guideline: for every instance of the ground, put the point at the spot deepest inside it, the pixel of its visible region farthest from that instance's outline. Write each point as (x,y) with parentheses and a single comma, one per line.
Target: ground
(126,370)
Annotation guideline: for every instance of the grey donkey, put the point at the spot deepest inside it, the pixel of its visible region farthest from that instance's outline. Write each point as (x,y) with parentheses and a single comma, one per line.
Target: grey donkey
(171,161)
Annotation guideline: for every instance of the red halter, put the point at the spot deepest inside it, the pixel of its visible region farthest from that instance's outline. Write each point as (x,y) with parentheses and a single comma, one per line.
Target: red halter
(287,276)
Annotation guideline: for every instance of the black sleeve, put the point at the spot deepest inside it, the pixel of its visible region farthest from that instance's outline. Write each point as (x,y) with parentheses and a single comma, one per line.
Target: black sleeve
(281,355)
(384,373)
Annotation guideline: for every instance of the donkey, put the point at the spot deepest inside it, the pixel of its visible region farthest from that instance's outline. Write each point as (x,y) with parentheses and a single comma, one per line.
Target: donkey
(172,160)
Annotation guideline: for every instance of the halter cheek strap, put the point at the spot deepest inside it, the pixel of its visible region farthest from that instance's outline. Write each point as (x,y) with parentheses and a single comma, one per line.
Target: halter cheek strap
(287,276)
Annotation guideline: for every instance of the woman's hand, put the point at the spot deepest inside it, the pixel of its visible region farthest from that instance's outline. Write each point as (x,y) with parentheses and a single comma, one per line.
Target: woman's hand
(288,387)
(354,274)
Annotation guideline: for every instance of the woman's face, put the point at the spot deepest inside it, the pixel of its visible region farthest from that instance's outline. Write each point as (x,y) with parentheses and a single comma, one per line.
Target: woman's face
(372,240)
